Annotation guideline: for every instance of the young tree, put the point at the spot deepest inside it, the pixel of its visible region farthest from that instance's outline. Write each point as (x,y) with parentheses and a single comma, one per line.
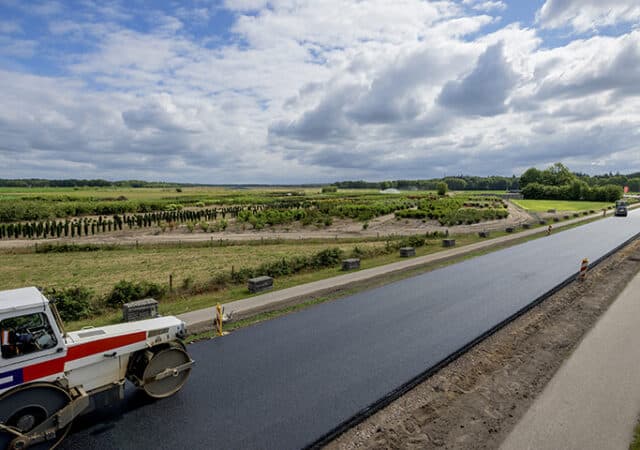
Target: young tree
(531,175)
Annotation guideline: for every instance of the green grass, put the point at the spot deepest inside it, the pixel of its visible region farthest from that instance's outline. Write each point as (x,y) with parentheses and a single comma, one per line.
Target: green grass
(181,304)
(482,192)
(559,205)
(369,284)
(635,444)
(101,270)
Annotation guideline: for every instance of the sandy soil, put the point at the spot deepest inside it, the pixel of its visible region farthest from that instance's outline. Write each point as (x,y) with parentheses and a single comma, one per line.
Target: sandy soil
(380,226)
(476,400)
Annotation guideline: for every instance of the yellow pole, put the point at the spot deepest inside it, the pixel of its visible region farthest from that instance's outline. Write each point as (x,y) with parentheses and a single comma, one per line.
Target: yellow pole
(219,318)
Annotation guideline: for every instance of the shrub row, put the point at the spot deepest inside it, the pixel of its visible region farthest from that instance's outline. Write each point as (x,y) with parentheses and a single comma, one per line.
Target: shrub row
(455,217)
(356,209)
(86,226)
(271,217)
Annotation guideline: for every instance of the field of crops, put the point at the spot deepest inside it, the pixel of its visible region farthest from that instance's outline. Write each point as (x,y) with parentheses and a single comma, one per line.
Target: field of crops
(55,213)
(457,210)
(92,278)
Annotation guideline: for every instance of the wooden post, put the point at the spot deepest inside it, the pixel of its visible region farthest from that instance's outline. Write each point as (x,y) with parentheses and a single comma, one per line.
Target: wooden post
(170,282)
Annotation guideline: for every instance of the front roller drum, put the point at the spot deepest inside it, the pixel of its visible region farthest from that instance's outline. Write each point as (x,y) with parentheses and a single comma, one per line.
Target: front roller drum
(24,409)
(166,371)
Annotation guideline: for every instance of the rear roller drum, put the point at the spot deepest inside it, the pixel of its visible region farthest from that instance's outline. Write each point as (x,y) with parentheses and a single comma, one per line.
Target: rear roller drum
(26,407)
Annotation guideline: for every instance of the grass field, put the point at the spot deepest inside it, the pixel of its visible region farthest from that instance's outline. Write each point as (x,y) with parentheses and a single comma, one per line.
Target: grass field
(559,205)
(181,304)
(101,270)
(126,263)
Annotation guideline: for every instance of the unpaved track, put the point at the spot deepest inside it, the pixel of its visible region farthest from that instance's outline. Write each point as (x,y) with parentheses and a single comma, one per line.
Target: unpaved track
(475,401)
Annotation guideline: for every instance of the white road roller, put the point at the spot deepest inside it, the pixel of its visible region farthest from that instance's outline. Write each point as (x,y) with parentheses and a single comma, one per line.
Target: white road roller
(48,376)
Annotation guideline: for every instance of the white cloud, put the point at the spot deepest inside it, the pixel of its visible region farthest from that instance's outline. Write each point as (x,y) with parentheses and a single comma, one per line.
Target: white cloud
(486,5)
(483,91)
(316,91)
(593,66)
(585,15)
(246,5)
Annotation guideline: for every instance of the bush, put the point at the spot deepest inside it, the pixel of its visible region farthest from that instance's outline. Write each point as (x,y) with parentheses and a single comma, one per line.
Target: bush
(326,189)
(72,303)
(326,258)
(128,291)
(442,188)
(412,241)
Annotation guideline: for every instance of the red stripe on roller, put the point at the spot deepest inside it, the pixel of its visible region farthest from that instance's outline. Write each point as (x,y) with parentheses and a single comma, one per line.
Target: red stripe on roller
(43,369)
(55,366)
(104,345)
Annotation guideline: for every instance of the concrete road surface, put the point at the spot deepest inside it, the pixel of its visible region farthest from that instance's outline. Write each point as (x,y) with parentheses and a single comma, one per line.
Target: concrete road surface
(594,400)
(284,383)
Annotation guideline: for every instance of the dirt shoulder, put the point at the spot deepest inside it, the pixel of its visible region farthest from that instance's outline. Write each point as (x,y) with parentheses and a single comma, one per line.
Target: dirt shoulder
(475,401)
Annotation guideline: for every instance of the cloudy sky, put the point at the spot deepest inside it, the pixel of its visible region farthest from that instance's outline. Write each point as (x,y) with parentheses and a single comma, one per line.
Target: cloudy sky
(288,91)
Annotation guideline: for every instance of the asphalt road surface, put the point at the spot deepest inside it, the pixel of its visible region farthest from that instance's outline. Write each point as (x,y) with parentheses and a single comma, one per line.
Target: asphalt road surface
(284,383)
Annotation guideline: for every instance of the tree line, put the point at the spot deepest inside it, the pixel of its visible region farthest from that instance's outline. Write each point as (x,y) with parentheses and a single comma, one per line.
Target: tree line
(457,183)
(500,183)
(557,182)
(72,182)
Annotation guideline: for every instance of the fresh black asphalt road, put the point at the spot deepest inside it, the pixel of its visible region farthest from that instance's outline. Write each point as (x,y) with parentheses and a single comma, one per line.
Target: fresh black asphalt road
(284,383)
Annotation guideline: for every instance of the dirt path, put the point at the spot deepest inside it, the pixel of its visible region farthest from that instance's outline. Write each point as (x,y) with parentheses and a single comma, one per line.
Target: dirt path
(476,400)
(340,229)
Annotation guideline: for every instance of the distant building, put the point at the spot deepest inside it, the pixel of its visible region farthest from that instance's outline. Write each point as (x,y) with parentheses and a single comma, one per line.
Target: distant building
(390,191)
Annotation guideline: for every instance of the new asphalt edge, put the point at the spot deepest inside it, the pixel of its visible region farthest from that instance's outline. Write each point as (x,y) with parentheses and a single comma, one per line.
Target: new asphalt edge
(406,387)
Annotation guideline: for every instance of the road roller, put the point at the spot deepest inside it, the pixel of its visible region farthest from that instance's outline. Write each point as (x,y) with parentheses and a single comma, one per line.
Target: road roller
(48,376)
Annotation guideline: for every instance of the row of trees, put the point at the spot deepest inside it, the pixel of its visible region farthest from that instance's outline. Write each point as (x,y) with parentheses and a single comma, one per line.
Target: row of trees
(576,190)
(559,183)
(556,175)
(72,182)
(458,183)
(90,226)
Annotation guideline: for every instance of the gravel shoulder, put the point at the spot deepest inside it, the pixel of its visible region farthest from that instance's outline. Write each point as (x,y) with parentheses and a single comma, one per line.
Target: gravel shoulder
(475,401)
